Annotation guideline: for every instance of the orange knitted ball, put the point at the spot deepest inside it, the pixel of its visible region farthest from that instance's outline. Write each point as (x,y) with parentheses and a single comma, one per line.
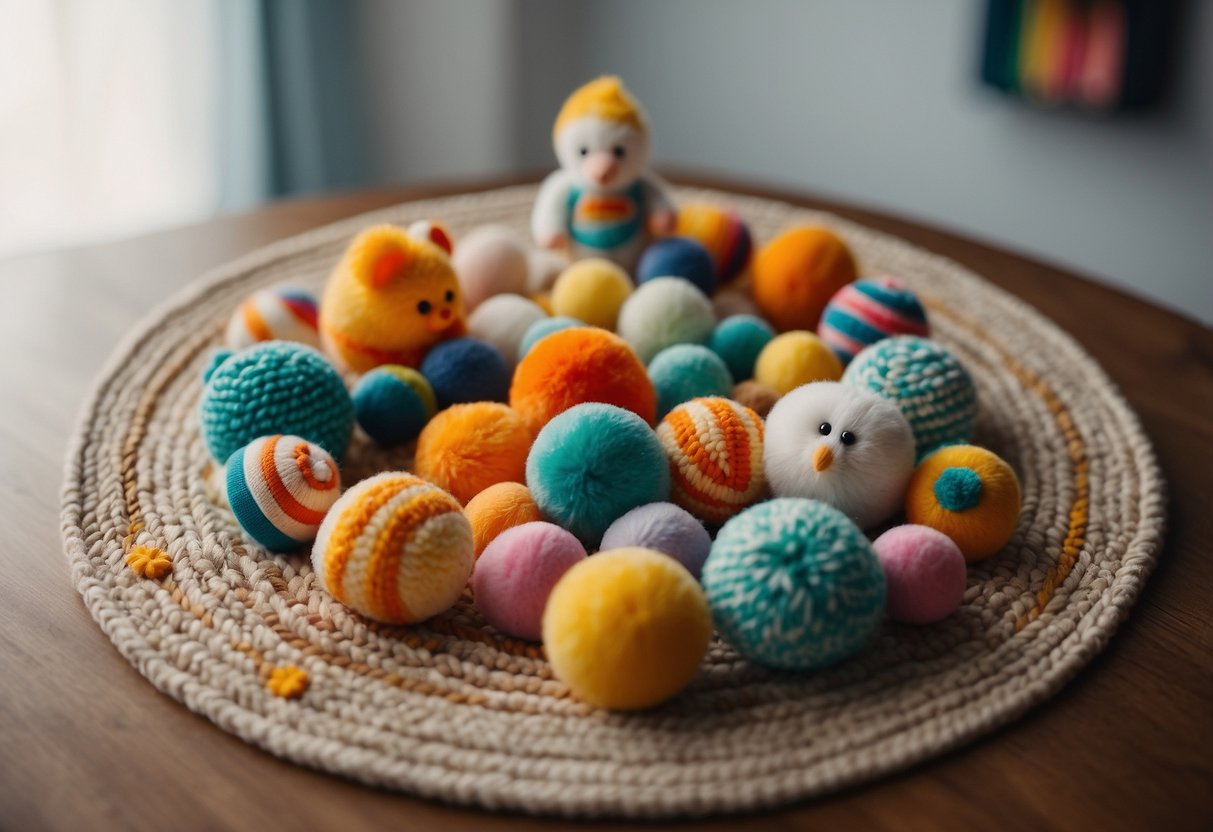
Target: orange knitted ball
(497,508)
(468,447)
(796,274)
(579,365)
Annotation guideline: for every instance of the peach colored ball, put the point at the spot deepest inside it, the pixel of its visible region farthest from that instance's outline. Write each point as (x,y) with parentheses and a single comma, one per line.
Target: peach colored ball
(497,508)
(490,261)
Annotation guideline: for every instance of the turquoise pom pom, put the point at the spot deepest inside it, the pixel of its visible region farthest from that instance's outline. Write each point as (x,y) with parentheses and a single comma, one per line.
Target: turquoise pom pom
(687,371)
(958,489)
(542,328)
(593,463)
(738,340)
(794,584)
(275,387)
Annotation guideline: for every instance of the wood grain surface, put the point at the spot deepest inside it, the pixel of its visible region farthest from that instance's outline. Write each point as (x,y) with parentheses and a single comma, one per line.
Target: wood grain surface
(86,743)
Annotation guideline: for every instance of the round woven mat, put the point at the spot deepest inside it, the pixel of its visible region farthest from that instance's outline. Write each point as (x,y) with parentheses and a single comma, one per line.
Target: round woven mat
(453,711)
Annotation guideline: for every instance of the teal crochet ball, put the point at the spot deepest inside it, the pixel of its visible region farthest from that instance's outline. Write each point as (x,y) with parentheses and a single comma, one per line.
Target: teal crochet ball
(737,340)
(274,387)
(928,384)
(794,584)
(687,371)
(592,464)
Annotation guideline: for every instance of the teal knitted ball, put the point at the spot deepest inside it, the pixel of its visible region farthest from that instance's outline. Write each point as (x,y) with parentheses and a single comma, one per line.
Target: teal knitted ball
(542,328)
(737,340)
(928,384)
(274,387)
(592,464)
(794,584)
(687,371)
(393,403)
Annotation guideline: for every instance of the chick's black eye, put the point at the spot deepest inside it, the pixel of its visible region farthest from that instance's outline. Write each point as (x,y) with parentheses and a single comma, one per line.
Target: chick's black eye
(584,151)
(619,151)
(424,307)
(825,428)
(450,295)
(847,438)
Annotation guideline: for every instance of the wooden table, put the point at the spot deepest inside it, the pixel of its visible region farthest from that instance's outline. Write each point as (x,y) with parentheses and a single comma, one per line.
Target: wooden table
(86,743)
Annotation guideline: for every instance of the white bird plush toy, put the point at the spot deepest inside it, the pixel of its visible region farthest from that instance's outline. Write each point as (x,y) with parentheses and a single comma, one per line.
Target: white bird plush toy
(603,201)
(841,445)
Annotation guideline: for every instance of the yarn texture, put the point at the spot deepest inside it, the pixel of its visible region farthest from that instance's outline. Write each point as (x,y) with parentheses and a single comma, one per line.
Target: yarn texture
(279,314)
(866,311)
(392,403)
(592,291)
(738,340)
(490,260)
(499,507)
(925,573)
(665,528)
(678,257)
(663,312)
(687,371)
(468,447)
(502,321)
(795,358)
(466,370)
(726,237)
(796,274)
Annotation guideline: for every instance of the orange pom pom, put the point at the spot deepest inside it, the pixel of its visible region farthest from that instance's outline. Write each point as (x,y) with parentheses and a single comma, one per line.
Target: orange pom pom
(796,274)
(468,447)
(579,365)
(497,508)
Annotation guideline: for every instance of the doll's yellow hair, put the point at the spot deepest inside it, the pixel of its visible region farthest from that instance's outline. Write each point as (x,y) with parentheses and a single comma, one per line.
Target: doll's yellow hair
(605,98)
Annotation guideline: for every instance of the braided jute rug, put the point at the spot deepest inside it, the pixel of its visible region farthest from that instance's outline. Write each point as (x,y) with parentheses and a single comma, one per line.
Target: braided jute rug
(453,711)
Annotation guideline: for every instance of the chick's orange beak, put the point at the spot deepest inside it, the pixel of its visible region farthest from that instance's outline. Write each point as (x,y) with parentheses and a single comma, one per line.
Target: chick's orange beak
(823,458)
(600,168)
(440,320)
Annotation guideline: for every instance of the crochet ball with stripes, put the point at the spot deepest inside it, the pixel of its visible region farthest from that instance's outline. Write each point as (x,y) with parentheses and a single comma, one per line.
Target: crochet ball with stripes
(279,488)
(714,446)
(281,314)
(395,548)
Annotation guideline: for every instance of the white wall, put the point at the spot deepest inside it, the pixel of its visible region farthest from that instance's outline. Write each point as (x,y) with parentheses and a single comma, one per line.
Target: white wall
(875,102)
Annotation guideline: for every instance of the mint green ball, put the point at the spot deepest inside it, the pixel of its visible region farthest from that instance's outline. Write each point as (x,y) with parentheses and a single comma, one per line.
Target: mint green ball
(687,371)
(738,340)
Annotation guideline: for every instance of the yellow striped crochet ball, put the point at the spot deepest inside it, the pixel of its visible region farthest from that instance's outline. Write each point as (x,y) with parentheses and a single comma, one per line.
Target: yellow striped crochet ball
(394,548)
(714,446)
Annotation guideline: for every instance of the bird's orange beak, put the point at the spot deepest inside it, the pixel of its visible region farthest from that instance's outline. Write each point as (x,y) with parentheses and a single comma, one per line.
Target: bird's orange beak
(823,458)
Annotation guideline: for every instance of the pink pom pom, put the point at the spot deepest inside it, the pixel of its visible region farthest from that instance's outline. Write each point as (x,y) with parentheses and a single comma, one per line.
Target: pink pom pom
(925,572)
(516,573)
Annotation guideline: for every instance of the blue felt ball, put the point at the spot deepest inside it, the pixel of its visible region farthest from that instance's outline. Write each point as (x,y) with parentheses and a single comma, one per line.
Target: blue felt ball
(542,328)
(593,463)
(687,371)
(274,387)
(794,584)
(393,403)
(738,340)
(678,257)
(466,370)
(663,527)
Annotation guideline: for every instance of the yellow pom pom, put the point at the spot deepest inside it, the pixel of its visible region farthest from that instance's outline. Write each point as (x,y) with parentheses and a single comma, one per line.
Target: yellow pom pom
(626,629)
(968,493)
(288,681)
(795,358)
(592,291)
(149,562)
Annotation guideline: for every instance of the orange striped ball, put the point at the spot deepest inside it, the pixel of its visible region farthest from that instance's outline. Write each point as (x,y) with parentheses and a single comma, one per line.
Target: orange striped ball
(279,314)
(714,446)
(394,548)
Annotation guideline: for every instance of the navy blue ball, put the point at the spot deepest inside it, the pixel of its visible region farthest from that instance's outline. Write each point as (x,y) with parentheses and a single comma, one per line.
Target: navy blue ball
(678,257)
(466,370)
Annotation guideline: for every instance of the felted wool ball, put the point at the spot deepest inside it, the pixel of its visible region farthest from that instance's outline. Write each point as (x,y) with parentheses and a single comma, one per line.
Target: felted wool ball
(847,447)
(663,312)
(721,232)
(925,573)
(794,584)
(280,314)
(968,493)
(541,328)
(592,291)
(683,372)
(796,274)
(466,370)
(578,365)
(756,396)
(497,508)
(593,463)
(626,629)
(489,261)
(739,339)
(516,573)
(468,447)
(678,257)
(665,528)
(502,321)
(274,387)
(392,404)
(714,446)
(926,381)
(279,488)
(546,265)
(864,312)
(394,548)
(434,232)
(795,358)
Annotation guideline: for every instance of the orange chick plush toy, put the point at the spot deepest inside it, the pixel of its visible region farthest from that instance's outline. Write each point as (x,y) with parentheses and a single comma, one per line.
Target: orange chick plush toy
(390,298)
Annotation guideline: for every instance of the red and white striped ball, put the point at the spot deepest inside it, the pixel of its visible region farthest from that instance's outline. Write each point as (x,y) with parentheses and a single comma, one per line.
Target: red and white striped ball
(281,314)
(714,446)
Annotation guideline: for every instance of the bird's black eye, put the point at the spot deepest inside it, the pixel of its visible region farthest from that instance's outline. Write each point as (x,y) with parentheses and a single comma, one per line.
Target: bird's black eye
(585,151)
(619,151)
(424,307)
(450,295)
(847,438)
(825,428)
